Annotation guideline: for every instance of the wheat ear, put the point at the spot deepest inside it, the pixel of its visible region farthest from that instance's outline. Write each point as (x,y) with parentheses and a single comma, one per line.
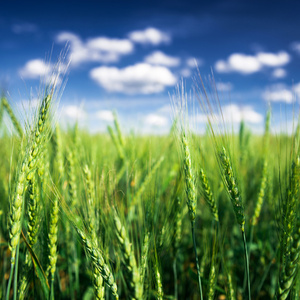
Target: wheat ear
(119,131)
(144,257)
(147,180)
(289,251)
(261,194)
(159,287)
(191,201)
(289,272)
(58,150)
(94,253)
(190,188)
(208,195)
(236,200)
(231,291)
(12,117)
(129,259)
(32,230)
(232,188)
(26,172)
(72,186)
(52,237)
(212,281)
(90,192)
(117,143)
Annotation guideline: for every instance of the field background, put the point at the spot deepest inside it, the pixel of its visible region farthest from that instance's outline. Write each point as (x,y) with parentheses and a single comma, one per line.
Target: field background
(127,194)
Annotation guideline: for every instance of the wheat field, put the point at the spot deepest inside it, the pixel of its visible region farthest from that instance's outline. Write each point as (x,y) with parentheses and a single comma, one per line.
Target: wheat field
(125,216)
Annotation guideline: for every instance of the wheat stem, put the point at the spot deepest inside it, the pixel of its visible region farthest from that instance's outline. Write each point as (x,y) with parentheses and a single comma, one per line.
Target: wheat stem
(175,278)
(247,264)
(9,281)
(197,261)
(16,273)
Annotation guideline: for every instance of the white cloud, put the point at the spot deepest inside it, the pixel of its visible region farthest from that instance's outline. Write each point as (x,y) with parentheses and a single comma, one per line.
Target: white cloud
(224,86)
(279,73)
(156,120)
(296,47)
(296,89)
(241,63)
(244,63)
(278,93)
(282,93)
(233,113)
(66,36)
(29,104)
(73,112)
(166,110)
(35,68)
(120,46)
(194,62)
(160,58)
(273,59)
(186,72)
(222,67)
(140,78)
(105,115)
(99,49)
(248,64)
(149,36)
(237,113)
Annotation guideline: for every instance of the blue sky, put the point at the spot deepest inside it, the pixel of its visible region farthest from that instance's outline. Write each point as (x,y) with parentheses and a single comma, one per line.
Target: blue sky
(128,56)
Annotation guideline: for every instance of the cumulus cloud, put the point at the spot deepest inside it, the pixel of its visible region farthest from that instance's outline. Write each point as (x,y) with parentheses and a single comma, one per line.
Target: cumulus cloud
(237,113)
(120,46)
(296,89)
(273,59)
(160,58)
(224,86)
(194,62)
(73,112)
(279,73)
(296,47)
(222,66)
(140,78)
(241,63)
(98,49)
(105,115)
(156,120)
(35,69)
(248,64)
(279,93)
(233,113)
(67,36)
(186,72)
(150,35)
(166,110)
(29,104)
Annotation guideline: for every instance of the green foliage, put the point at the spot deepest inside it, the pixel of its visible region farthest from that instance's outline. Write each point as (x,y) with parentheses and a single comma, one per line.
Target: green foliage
(61,193)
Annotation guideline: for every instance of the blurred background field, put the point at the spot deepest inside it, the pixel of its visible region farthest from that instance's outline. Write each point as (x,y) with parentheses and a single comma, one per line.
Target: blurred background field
(142,178)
